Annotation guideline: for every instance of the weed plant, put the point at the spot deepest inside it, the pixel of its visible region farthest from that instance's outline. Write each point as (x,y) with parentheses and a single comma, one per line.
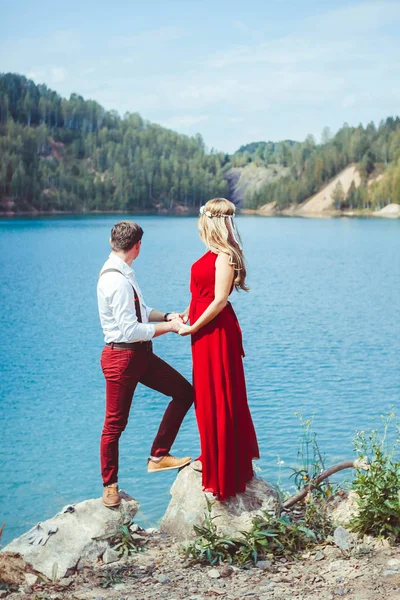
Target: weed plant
(280,536)
(311,460)
(378,488)
(125,545)
(209,546)
(122,541)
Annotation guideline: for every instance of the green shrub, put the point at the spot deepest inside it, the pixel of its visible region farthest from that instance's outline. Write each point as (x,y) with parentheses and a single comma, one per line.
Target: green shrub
(279,536)
(378,488)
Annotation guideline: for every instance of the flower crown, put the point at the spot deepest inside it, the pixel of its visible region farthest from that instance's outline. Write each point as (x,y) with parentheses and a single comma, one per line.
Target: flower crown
(209,214)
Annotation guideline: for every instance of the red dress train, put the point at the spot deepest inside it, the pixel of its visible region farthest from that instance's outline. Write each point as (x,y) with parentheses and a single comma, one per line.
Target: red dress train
(227,436)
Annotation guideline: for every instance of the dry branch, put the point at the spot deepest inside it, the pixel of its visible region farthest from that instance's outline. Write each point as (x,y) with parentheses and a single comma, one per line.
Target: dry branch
(346,464)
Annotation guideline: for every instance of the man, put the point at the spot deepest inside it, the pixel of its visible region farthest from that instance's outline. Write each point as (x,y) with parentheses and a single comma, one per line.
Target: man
(128,359)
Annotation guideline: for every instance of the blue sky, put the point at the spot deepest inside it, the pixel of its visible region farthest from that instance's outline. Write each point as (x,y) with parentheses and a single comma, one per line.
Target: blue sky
(233,71)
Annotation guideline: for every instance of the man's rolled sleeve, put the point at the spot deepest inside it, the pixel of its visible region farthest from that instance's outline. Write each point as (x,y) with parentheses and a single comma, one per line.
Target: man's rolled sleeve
(148,311)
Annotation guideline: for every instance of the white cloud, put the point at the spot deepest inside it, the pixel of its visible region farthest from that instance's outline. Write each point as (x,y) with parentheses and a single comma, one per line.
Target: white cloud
(57,74)
(357,18)
(349,101)
(146,38)
(201,91)
(242,27)
(36,74)
(63,43)
(184,121)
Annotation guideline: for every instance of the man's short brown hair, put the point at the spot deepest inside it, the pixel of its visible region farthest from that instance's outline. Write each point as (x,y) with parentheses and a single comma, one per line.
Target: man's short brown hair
(124,235)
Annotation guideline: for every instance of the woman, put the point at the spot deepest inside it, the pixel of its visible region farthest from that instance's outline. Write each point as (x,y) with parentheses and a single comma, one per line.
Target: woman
(227,436)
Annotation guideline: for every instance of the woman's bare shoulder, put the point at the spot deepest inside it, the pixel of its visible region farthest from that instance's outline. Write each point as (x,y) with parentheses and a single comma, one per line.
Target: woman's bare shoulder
(223,261)
(223,257)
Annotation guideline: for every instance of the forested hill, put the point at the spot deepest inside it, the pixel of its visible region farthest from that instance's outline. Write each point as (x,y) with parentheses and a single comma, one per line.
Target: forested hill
(298,170)
(72,155)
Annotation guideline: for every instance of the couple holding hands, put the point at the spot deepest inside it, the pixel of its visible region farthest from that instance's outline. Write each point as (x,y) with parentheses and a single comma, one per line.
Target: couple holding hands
(227,436)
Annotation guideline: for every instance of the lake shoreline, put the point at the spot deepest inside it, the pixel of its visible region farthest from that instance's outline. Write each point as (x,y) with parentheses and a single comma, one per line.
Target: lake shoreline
(294,211)
(190,212)
(92,213)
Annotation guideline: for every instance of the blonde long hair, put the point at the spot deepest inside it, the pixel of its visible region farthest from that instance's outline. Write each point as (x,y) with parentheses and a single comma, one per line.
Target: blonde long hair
(219,233)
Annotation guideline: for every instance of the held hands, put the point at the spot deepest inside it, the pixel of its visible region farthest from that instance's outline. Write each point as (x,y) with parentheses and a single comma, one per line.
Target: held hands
(185,330)
(181,316)
(175,324)
(178,324)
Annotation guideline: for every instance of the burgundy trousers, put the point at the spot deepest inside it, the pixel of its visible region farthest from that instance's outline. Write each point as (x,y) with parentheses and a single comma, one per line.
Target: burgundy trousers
(123,370)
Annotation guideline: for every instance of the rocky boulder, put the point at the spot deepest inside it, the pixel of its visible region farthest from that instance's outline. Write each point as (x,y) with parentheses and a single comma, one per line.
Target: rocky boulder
(76,535)
(188,506)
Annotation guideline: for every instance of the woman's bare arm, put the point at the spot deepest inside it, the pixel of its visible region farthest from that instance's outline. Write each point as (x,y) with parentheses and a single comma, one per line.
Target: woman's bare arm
(224,273)
(185,314)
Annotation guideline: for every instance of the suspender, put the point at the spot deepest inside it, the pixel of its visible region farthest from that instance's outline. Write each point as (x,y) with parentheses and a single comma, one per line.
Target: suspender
(136,297)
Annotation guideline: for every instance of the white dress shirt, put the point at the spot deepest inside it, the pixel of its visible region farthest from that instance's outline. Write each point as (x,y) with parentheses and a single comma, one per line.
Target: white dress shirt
(116,303)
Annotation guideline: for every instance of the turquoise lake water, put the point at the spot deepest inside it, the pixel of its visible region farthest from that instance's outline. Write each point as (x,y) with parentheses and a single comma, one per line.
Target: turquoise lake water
(321,333)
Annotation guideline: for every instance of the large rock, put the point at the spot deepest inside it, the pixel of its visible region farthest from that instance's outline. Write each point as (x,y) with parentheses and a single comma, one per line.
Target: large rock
(189,505)
(56,546)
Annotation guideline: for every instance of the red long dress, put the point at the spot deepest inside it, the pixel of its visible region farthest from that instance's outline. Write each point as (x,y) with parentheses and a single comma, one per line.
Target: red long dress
(227,436)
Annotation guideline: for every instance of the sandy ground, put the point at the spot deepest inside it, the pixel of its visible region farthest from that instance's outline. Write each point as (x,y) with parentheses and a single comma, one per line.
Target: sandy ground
(390,211)
(322,201)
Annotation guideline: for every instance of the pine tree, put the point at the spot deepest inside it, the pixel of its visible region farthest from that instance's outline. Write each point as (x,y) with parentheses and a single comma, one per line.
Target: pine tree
(338,195)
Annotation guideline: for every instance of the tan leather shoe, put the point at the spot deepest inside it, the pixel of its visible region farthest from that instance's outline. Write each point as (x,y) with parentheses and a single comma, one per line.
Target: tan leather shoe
(111,496)
(167,463)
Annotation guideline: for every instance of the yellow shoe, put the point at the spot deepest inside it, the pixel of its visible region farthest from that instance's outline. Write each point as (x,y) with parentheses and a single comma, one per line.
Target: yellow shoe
(167,463)
(111,497)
